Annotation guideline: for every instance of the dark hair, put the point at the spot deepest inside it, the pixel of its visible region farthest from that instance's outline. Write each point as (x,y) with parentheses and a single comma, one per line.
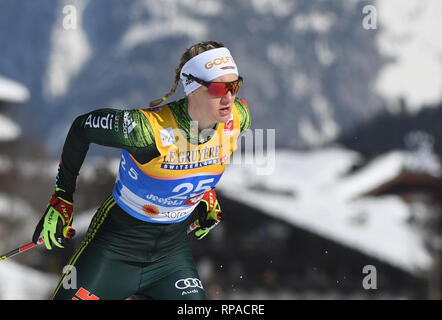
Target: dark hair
(190,52)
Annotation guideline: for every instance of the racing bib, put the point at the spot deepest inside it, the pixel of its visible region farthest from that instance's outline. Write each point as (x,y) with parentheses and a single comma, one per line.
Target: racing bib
(169,187)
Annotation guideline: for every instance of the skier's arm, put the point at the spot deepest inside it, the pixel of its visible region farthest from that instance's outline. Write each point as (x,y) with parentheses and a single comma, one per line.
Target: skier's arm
(124,129)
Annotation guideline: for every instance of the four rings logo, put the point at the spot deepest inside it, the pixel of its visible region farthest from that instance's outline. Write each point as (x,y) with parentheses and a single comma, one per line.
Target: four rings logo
(188,283)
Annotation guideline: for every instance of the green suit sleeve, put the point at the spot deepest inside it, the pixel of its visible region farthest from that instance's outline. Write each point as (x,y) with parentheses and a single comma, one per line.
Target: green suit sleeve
(124,129)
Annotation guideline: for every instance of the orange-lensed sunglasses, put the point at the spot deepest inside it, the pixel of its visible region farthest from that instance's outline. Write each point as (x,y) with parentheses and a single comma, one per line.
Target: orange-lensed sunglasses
(218,89)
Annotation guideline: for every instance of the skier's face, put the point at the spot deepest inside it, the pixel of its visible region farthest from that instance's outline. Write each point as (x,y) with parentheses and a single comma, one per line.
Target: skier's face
(208,109)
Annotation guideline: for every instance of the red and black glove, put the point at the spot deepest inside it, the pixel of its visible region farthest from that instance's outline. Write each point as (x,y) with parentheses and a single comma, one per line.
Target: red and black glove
(56,221)
(209,215)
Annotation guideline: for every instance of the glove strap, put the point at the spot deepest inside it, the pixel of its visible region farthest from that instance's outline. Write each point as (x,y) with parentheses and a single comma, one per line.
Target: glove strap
(63,207)
(209,198)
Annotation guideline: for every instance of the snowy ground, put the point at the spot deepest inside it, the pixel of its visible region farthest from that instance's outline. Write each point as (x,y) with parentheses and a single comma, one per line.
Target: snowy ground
(12,91)
(18,282)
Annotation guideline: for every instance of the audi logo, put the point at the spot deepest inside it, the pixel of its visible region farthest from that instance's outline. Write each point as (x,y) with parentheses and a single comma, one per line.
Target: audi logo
(188,283)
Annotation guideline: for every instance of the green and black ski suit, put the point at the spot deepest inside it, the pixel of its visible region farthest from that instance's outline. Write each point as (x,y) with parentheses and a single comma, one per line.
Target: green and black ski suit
(137,241)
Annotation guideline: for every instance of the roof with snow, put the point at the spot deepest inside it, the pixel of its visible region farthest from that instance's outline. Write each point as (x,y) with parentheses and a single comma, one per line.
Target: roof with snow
(12,91)
(9,129)
(314,190)
(15,208)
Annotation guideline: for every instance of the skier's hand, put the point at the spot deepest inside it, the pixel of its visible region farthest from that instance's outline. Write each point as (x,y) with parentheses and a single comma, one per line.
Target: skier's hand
(56,221)
(209,214)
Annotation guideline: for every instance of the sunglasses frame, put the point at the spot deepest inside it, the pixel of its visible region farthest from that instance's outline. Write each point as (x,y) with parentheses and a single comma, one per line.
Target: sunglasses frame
(207,84)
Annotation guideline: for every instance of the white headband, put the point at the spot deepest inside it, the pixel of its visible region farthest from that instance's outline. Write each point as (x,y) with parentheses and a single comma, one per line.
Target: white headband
(207,66)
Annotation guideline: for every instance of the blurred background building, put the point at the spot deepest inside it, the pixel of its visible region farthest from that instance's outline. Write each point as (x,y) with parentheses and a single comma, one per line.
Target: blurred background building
(351,91)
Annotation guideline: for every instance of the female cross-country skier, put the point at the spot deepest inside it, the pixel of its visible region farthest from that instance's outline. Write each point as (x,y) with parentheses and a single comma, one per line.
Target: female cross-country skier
(172,157)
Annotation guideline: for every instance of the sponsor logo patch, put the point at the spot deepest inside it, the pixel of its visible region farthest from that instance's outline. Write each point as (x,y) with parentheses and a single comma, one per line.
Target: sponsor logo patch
(167,137)
(183,284)
(219,61)
(103,122)
(228,126)
(83,294)
(128,124)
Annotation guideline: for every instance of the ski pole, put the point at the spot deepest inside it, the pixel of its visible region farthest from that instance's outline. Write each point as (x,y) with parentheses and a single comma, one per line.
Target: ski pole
(193,226)
(69,234)
(21,249)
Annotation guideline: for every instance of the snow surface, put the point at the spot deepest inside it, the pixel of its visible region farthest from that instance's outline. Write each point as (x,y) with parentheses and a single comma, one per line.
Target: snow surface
(410,34)
(70,49)
(11,91)
(312,190)
(24,283)
(9,130)
(14,208)
(168,21)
